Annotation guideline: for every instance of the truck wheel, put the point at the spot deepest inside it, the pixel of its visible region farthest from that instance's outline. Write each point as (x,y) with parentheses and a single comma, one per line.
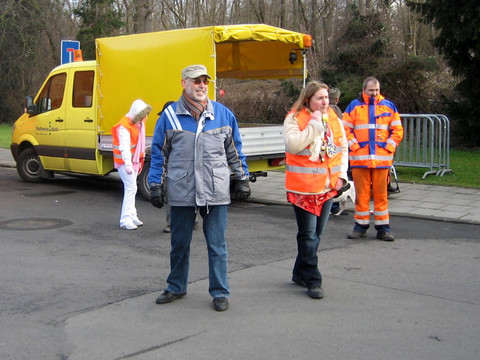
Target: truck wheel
(30,168)
(142,182)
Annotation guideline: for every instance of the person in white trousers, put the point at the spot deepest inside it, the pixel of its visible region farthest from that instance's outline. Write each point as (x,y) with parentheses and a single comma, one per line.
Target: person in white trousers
(128,155)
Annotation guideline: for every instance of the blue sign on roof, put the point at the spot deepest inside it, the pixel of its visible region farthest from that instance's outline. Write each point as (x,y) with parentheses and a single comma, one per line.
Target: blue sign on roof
(68,46)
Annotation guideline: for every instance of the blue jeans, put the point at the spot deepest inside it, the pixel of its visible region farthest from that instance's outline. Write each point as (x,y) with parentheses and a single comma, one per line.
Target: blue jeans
(214,228)
(310,228)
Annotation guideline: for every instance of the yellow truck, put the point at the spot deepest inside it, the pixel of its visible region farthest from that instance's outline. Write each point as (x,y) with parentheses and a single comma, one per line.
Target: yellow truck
(66,126)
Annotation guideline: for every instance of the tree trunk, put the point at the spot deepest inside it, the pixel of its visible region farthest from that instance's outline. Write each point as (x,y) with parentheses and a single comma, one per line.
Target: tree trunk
(143,19)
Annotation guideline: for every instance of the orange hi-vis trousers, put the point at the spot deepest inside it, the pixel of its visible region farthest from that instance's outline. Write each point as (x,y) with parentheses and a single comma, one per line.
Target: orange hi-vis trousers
(368,181)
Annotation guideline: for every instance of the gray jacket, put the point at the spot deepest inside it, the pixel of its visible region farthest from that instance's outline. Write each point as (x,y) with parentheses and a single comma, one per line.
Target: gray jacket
(195,160)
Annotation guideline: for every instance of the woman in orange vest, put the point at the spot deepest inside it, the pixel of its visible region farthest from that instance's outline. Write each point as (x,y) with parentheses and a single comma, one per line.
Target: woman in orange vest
(128,157)
(316,168)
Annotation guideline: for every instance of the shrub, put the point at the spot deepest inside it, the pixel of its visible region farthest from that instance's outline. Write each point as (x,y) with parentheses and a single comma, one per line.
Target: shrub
(259,101)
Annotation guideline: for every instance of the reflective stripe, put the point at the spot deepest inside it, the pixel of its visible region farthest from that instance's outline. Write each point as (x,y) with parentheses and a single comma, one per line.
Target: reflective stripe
(362,213)
(305,170)
(172,118)
(381,213)
(371,157)
(393,143)
(396,123)
(362,126)
(347,124)
(381,222)
(362,222)
(116,147)
(335,169)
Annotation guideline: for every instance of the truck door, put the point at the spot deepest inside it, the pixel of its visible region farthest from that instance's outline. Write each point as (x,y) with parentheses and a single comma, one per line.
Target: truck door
(80,125)
(50,122)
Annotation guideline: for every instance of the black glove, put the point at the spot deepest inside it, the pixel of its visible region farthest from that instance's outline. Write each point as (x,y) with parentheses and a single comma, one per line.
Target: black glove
(242,190)
(157,195)
(343,189)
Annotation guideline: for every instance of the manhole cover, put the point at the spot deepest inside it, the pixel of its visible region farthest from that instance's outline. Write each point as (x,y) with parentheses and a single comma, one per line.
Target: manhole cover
(34,224)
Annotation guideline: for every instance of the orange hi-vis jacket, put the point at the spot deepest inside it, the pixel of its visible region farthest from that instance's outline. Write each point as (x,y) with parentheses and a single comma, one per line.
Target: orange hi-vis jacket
(134,133)
(374,130)
(303,176)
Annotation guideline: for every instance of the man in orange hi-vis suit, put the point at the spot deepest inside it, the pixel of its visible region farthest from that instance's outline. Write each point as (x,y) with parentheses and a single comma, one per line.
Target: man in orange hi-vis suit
(374,129)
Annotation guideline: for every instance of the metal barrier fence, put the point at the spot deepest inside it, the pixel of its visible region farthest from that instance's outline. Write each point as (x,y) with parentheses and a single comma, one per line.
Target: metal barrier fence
(425,144)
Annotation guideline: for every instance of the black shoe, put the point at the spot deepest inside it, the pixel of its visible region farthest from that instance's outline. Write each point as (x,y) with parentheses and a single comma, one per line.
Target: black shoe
(385,236)
(357,234)
(220,304)
(392,190)
(167,229)
(298,281)
(315,292)
(167,297)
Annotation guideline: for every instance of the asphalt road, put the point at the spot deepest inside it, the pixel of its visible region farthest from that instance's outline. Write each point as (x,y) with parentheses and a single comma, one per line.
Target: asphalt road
(63,254)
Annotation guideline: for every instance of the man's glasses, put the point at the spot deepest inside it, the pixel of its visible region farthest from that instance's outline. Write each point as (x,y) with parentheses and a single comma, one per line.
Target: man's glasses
(198,81)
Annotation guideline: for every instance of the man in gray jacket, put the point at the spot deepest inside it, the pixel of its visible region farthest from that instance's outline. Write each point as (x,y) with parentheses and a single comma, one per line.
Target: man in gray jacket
(196,146)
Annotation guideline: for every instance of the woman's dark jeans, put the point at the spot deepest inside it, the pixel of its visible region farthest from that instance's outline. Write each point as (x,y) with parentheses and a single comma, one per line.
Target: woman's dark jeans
(310,228)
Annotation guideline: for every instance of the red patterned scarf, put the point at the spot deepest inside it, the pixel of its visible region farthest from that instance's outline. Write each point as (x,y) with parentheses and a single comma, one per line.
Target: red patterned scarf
(195,108)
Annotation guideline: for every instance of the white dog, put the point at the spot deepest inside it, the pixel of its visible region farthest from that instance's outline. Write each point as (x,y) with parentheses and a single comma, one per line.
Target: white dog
(349,193)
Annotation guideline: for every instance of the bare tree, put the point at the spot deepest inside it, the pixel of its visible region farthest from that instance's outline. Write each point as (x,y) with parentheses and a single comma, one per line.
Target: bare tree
(30,36)
(143,16)
(177,12)
(258,10)
(31,30)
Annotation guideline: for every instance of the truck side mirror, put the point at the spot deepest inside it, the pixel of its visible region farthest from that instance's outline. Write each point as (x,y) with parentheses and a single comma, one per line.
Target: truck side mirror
(30,106)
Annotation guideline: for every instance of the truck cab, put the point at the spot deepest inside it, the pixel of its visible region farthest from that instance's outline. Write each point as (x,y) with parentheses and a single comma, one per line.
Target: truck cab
(58,130)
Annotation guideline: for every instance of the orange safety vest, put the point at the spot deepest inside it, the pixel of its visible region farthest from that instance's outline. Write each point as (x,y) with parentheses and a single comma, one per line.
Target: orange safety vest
(374,130)
(134,133)
(303,176)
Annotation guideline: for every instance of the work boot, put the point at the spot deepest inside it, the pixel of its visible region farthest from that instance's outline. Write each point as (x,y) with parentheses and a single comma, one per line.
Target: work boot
(385,236)
(356,234)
